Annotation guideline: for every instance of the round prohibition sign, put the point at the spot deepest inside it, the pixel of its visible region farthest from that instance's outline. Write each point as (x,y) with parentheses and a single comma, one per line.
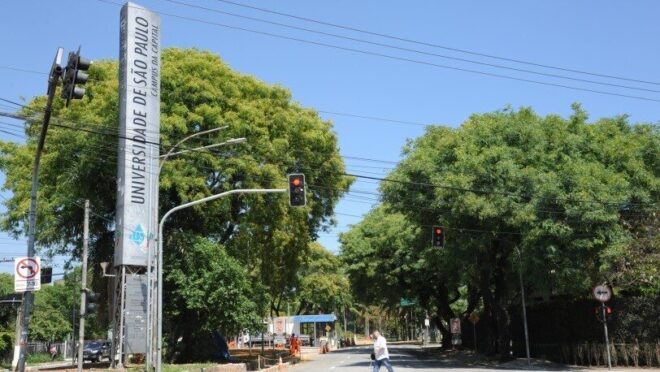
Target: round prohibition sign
(27,268)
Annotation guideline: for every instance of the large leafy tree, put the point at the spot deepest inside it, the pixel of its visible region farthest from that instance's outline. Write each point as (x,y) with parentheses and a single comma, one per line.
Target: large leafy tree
(515,189)
(323,287)
(215,289)
(199,92)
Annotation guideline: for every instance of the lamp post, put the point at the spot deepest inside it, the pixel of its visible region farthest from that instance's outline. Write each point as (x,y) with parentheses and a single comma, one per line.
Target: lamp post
(150,289)
(159,294)
(163,158)
(232,141)
(150,263)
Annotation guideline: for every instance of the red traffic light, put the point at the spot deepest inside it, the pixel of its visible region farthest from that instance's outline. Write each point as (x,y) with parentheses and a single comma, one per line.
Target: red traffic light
(438,237)
(297,190)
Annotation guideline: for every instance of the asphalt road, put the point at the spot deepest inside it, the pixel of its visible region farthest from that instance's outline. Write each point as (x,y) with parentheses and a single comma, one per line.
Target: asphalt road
(404,358)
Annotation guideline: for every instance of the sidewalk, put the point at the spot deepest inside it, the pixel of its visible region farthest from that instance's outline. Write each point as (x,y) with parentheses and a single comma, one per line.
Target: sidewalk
(464,358)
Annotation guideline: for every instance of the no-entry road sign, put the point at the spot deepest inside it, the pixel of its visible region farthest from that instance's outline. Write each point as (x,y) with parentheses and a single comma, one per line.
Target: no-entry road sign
(27,274)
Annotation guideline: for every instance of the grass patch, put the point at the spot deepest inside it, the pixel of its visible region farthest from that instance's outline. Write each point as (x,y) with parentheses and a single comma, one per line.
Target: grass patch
(41,358)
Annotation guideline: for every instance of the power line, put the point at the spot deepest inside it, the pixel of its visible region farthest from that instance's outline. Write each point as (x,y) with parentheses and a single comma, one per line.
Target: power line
(434,45)
(417,51)
(396,121)
(397,58)
(477,191)
(383,179)
(23,70)
(12,102)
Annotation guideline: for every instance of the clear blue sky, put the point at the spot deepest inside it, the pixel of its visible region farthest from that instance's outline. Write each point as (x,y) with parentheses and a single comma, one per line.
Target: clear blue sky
(614,38)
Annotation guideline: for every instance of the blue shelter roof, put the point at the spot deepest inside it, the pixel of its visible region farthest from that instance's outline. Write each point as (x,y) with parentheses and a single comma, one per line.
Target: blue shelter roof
(314,318)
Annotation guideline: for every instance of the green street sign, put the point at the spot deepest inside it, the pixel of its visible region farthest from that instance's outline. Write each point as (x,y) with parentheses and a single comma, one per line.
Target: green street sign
(406,302)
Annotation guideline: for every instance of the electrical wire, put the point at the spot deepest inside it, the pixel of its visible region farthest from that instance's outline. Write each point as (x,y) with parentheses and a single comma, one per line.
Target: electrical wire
(380,179)
(426,185)
(397,58)
(435,45)
(22,70)
(417,51)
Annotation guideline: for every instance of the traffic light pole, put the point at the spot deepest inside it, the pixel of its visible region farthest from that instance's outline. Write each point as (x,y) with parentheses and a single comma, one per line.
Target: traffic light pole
(524,307)
(83,289)
(607,339)
(159,268)
(28,297)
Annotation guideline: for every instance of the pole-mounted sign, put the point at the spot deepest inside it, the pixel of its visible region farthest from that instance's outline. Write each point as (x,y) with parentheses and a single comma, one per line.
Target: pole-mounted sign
(27,274)
(602,293)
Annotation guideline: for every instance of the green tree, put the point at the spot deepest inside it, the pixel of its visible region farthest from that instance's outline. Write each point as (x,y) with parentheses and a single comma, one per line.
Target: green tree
(513,187)
(324,287)
(208,291)
(199,92)
(7,316)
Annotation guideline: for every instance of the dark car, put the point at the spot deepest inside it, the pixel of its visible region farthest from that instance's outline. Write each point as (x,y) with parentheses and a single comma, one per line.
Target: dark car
(96,350)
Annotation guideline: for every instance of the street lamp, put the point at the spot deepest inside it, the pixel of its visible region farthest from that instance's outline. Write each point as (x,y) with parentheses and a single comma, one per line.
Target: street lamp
(159,295)
(196,134)
(232,141)
(150,289)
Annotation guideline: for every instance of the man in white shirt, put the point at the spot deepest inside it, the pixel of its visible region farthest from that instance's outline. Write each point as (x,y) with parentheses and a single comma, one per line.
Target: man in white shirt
(381,354)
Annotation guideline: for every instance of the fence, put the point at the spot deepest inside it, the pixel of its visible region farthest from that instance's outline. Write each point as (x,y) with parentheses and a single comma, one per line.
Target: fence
(65,349)
(594,354)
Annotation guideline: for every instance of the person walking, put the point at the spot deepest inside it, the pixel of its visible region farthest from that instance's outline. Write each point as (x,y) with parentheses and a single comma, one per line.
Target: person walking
(381,355)
(53,352)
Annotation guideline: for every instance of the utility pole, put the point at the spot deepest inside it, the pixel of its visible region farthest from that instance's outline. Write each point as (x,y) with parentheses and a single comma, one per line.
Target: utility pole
(28,297)
(83,289)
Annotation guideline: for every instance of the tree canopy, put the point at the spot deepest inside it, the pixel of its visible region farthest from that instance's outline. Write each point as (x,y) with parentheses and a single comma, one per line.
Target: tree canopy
(513,189)
(199,92)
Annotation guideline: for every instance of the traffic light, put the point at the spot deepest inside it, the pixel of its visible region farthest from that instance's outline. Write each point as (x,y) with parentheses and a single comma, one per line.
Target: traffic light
(297,190)
(599,313)
(438,237)
(75,74)
(46,275)
(91,302)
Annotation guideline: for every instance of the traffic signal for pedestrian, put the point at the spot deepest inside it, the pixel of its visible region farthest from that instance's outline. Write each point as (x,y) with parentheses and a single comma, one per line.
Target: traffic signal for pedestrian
(297,190)
(46,275)
(75,74)
(438,237)
(91,302)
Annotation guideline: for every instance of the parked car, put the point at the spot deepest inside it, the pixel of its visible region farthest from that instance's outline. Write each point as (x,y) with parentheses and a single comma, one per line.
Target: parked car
(94,351)
(259,338)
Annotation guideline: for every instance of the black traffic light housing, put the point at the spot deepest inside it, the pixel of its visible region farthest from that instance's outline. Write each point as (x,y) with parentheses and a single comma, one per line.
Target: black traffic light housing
(297,190)
(46,275)
(599,313)
(438,237)
(75,74)
(91,302)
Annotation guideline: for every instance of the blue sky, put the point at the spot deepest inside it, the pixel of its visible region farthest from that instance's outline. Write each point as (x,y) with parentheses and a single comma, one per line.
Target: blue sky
(613,38)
